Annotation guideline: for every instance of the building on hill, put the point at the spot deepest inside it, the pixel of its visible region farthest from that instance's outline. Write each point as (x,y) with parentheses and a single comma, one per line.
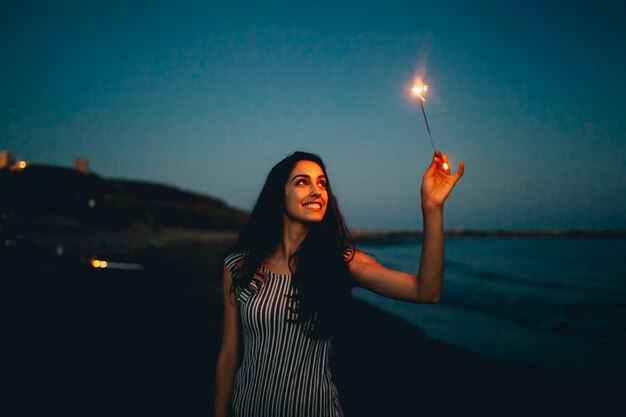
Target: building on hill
(81,165)
(7,162)
(5,159)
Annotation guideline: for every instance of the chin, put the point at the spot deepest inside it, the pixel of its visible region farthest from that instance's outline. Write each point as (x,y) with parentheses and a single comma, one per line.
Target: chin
(310,219)
(313,219)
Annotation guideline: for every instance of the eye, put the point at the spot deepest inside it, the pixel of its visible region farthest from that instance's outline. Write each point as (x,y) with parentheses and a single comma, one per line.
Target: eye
(322,183)
(301,181)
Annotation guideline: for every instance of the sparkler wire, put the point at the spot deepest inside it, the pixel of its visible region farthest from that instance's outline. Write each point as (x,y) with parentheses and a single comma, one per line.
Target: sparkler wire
(427,127)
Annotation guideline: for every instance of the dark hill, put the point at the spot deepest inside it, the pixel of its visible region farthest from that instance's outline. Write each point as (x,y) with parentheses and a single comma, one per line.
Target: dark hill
(61,198)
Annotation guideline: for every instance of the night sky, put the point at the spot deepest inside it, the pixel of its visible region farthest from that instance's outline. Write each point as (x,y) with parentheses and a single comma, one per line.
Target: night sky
(209,96)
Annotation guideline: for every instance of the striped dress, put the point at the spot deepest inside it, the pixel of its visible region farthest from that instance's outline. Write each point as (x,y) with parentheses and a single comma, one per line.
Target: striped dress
(283,372)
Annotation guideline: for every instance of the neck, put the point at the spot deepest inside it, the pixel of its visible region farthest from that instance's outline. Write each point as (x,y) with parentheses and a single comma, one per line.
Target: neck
(294,233)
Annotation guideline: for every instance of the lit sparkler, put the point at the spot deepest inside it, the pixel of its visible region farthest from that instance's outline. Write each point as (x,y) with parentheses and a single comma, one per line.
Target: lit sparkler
(419,89)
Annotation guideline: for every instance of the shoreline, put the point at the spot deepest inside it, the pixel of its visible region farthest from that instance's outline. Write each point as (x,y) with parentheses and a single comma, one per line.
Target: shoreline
(394,236)
(131,240)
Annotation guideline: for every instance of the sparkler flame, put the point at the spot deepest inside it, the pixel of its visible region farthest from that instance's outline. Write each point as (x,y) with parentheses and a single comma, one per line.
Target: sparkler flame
(419,90)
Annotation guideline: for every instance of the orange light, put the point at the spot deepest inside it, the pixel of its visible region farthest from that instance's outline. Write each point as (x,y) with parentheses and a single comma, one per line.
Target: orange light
(19,165)
(445,166)
(96,263)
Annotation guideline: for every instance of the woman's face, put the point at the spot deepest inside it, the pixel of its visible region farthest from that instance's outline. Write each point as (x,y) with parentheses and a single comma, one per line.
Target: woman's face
(306,196)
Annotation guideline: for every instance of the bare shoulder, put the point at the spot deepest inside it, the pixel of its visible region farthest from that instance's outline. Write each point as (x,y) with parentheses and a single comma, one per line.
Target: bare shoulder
(226,274)
(360,256)
(358,261)
(227,287)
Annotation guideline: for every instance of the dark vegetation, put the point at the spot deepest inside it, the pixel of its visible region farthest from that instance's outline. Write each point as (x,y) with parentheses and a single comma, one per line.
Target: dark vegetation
(42,196)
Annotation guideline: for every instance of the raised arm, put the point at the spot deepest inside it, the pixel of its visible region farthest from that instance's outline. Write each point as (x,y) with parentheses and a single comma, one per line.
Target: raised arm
(426,285)
(228,358)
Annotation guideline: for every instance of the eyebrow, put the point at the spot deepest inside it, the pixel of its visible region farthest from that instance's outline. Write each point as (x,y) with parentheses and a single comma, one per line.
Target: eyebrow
(308,177)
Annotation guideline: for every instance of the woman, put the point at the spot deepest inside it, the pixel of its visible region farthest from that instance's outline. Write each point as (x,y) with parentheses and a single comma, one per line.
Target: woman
(287,278)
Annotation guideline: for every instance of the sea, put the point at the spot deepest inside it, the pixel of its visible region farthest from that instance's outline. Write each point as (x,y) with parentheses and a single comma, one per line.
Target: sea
(547,302)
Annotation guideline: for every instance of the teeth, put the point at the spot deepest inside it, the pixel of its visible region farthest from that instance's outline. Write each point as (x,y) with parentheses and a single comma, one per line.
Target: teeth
(313,205)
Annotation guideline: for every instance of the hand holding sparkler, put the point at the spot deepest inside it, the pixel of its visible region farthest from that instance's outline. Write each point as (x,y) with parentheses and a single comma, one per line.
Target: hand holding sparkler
(437,182)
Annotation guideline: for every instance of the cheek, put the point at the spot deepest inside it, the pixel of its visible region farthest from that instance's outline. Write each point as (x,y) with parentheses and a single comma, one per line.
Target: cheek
(292,201)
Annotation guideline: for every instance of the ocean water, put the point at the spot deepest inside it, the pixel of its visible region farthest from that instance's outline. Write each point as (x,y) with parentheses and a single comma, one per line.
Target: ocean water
(549,302)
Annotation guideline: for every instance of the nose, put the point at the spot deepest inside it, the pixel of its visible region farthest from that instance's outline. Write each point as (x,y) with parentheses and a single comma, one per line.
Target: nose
(315,191)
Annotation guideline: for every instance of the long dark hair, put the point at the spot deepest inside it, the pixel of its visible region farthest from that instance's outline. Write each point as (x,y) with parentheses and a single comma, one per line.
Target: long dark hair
(320,281)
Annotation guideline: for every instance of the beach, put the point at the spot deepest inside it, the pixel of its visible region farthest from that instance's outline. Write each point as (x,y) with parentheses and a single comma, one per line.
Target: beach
(144,341)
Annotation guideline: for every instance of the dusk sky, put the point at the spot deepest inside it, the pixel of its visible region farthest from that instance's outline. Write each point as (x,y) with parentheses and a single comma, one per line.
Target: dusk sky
(208,96)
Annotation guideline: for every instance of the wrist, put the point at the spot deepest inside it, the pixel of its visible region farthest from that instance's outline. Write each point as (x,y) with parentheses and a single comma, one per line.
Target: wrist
(431,208)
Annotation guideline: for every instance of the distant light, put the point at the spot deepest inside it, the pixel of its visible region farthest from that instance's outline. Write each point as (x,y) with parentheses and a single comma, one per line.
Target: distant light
(19,165)
(96,263)
(91,203)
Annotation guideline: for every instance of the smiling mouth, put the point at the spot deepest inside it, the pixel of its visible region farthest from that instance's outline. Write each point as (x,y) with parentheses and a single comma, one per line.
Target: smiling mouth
(315,206)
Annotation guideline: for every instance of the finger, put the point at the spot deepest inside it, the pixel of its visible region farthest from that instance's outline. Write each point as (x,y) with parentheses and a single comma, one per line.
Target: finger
(437,157)
(446,164)
(460,172)
(432,168)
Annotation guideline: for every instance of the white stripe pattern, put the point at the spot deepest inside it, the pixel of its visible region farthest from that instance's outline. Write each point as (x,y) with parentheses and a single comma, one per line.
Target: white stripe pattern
(283,372)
